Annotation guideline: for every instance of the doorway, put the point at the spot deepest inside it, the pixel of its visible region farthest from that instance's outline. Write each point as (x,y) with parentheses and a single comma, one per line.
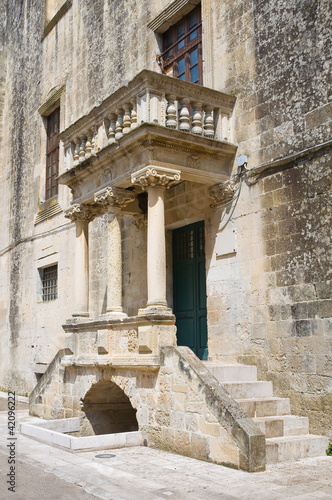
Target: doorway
(189,288)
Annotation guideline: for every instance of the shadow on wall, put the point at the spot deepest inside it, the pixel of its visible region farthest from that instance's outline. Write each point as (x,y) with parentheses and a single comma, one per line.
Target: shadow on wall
(107,410)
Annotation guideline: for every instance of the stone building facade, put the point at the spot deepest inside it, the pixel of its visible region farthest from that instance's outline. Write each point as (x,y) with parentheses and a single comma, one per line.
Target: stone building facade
(211,201)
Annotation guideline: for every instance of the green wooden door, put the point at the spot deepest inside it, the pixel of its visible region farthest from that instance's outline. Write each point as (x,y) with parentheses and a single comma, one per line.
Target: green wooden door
(189,286)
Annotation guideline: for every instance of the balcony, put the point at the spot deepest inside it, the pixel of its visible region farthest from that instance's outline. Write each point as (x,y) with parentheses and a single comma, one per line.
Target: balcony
(154,120)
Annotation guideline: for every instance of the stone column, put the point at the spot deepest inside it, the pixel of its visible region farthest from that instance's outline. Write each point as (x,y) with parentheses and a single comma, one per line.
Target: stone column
(81,215)
(112,200)
(155,180)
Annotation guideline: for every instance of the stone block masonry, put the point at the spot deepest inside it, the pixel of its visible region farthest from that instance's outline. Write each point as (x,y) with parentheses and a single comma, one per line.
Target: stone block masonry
(180,406)
(283,291)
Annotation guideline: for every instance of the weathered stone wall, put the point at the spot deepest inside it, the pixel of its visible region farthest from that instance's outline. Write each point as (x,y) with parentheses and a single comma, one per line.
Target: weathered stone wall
(273,56)
(92,50)
(269,302)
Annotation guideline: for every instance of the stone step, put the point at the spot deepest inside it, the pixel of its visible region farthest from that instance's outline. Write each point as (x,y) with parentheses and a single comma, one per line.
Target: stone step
(265,407)
(247,390)
(290,448)
(287,425)
(287,436)
(232,373)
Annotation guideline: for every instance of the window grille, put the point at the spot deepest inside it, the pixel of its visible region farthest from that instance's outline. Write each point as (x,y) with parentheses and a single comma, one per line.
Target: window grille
(50,283)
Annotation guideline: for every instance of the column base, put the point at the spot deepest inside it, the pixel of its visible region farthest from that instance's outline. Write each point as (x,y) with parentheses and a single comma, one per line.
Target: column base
(114,315)
(156,310)
(80,317)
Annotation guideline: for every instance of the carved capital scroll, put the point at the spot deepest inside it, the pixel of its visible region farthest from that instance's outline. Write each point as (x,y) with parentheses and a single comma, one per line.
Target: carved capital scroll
(80,212)
(114,197)
(155,176)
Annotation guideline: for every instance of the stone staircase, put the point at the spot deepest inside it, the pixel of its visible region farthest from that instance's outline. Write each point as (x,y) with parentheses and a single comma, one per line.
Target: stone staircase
(287,436)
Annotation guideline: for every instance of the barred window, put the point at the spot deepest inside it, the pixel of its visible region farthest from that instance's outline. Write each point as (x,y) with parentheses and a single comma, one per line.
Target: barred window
(50,283)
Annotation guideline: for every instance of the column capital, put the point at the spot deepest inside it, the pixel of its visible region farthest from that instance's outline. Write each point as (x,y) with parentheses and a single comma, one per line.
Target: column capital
(155,176)
(80,212)
(111,197)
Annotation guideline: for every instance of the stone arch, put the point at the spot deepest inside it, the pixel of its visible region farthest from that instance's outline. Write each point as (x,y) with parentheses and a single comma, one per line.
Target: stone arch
(106,409)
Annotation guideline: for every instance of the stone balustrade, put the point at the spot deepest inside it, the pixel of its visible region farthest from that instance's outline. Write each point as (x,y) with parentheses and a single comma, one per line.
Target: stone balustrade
(150,98)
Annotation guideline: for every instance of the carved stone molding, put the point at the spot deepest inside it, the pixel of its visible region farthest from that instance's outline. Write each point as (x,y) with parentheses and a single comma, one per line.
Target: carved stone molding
(80,212)
(114,197)
(155,176)
(193,161)
(222,193)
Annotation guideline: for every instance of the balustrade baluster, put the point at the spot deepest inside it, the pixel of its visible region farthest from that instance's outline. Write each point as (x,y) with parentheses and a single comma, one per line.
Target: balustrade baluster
(77,149)
(184,115)
(197,119)
(94,131)
(134,113)
(88,145)
(119,124)
(82,148)
(171,118)
(127,118)
(111,130)
(208,122)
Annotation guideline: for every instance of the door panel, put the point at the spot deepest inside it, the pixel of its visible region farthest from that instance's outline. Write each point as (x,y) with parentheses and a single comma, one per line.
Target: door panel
(185,280)
(185,332)
(190,287)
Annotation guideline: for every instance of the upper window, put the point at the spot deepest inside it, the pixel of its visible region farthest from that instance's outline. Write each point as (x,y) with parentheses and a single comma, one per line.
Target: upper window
(52,154)
(182,54)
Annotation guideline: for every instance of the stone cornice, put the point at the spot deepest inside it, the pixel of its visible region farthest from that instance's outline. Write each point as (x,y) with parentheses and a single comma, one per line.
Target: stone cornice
(155,176)
(160,137)
(171,14)
(51,101)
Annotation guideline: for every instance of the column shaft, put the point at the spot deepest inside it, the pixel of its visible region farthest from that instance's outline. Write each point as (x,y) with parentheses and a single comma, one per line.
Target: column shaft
(156,252)
(114,264)
(81,268)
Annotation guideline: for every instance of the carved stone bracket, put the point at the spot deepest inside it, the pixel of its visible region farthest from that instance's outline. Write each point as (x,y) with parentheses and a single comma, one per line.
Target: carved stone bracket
(222,193)
(140,221)
(156,176)
(114,197)
(80,212)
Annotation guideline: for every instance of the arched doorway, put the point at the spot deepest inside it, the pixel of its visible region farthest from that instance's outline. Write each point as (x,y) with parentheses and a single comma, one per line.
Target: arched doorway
(107,410)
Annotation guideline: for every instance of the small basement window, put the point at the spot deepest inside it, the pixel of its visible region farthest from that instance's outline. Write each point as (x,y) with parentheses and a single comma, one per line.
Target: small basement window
(49,277)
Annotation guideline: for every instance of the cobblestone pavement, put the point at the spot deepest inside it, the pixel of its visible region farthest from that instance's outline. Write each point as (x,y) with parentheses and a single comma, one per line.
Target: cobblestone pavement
(141,473)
